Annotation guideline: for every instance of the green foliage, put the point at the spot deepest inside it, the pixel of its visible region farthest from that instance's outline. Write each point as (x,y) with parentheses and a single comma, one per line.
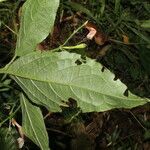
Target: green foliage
(146,24)
(2,0)
(33,123)
(7,139)
(36,23)
(49,79)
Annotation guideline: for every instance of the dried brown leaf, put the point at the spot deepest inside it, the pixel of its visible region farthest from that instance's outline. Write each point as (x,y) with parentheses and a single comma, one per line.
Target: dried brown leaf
(95,33)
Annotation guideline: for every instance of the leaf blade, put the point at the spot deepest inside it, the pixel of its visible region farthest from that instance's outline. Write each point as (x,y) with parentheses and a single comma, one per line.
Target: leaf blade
(36,23)
(146,24)
(33,123)
(50,79)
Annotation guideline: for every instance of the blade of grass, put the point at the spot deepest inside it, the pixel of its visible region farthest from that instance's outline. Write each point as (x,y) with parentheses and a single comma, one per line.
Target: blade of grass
(79,7)
(117,6)
(142,36)
(102,7)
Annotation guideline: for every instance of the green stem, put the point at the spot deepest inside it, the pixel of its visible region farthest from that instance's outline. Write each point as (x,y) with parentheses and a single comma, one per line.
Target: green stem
(10,116)
(9,63)
(56,49)
(75,31)
(9,28)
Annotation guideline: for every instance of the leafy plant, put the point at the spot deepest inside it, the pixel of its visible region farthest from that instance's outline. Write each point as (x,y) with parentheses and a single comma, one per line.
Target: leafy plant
(50,78)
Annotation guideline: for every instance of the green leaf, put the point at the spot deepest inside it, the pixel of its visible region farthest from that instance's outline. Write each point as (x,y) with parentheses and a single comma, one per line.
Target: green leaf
(50,79)
(103,5)
(138,33)
(2,0)
(33,123)
(147,135)
(146,24)
(36,23)
(117,6)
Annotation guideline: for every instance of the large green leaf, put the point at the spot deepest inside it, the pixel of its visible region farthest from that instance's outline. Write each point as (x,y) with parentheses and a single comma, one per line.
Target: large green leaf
(37,21)
(33,124)
(50,79)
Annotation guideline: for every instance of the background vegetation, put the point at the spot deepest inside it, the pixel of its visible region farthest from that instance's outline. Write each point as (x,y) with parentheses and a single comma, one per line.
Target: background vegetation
(126,52)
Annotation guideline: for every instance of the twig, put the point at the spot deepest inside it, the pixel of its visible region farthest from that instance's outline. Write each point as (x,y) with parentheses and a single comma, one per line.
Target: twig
(137,120)
(10,29)
(10,116)
(47,115)
(75,31)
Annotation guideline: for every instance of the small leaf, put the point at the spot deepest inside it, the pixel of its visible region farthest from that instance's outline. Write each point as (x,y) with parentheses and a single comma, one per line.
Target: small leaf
(125,39)
(2,0)
(146,24)
(50,79)
(36,23)
(33,123)
(141,35)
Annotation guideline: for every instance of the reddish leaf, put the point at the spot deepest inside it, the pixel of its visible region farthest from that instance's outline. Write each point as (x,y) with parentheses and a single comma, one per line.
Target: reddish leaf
(95,33)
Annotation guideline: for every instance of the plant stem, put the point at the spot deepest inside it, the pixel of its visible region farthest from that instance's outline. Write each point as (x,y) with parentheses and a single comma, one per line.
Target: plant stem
(137,120)
(10,62)
(10,29)
(75,31)
(10,116)
(56,49)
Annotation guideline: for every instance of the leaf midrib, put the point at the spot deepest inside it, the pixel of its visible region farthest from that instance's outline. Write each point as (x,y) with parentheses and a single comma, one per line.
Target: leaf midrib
(32,124)
(135,99)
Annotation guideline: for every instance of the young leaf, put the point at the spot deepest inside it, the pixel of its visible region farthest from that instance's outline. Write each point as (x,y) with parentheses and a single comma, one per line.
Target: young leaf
(36,23)
(33,123)
(146,24)
(50,79)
